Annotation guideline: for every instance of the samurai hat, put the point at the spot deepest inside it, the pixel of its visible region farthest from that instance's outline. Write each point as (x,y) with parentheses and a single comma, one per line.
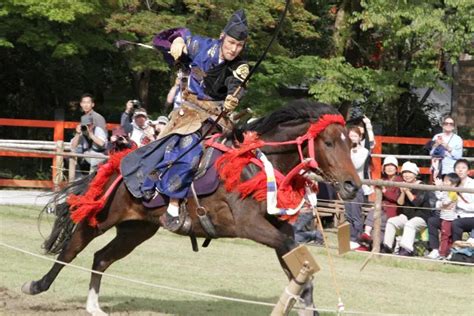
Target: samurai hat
(237,26)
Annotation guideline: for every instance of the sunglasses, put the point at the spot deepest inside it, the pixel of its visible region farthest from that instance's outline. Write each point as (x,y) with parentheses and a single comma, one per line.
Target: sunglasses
(448,123)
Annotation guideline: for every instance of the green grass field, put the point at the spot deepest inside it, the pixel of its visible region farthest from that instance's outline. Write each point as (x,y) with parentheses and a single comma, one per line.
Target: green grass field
(236,268)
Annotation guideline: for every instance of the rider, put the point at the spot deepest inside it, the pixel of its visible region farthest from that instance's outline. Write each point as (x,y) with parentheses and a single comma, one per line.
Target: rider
(216,71)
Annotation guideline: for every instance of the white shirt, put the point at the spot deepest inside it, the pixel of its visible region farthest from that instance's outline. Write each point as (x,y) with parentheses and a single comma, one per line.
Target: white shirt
(456,144)
(466,208)
(359,156)
(443,200)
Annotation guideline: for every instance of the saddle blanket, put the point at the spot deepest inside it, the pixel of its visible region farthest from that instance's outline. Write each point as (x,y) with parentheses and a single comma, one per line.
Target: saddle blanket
(205,185)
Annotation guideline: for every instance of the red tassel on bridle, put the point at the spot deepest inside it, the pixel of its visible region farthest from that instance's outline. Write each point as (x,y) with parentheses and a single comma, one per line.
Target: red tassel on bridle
(290,186)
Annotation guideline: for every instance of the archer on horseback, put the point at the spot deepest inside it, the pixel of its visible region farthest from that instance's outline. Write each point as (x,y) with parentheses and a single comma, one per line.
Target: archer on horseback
(216,72)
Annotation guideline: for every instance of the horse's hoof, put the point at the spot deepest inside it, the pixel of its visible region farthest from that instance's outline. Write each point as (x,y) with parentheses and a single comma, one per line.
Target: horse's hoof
(28,288)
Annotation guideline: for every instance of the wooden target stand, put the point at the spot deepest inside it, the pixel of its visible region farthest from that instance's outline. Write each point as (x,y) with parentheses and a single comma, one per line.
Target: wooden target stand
(302,266)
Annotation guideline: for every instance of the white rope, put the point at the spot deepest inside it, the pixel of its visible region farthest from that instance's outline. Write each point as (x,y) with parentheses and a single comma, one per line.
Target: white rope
(192,293)
(219,297)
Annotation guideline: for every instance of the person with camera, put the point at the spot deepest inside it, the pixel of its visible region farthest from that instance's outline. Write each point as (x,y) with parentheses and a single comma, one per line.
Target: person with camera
(446,149)
(119,141)
(127,116)
(142,129)
(87,104)
(89,139)
(174,97)
(160,124)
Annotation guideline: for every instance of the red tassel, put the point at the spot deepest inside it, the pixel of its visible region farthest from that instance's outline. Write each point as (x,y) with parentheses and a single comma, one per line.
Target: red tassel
(87,206)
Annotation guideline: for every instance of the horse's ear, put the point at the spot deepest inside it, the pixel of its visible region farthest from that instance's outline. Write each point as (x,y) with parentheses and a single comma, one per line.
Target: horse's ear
(345,109)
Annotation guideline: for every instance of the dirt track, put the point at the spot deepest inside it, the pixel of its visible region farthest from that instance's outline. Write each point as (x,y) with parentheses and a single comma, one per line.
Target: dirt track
(12,303)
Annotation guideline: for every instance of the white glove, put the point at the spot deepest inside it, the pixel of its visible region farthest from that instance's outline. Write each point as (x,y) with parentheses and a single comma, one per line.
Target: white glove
(230,103)
(177,48)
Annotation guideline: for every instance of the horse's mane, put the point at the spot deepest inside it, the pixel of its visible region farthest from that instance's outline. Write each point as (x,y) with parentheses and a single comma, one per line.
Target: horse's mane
(304,110)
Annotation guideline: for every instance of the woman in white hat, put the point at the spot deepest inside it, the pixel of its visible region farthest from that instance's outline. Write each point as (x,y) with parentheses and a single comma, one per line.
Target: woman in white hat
(389,201)
(413,215)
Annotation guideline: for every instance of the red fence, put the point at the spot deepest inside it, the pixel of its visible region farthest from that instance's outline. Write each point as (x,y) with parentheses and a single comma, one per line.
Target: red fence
(58,134)
(381,140)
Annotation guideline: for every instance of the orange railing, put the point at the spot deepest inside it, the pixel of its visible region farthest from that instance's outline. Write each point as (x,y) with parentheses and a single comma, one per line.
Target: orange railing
(381,140)
(58,134)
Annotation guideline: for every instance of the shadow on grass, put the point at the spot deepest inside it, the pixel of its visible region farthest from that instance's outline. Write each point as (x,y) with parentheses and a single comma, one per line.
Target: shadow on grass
(195,307)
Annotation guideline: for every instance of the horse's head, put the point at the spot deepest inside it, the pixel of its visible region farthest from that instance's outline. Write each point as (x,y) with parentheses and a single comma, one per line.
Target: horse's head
(332,151)
(319,128)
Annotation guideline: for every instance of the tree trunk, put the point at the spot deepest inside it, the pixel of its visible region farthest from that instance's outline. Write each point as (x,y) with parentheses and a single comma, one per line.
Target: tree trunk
(142,84)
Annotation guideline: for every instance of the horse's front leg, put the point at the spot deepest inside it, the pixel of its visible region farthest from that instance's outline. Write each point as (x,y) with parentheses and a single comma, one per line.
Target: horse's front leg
(81,237)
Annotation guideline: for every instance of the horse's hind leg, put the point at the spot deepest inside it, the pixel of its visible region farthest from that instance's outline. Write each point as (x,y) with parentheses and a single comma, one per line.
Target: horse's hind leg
(81,237)
(130,234)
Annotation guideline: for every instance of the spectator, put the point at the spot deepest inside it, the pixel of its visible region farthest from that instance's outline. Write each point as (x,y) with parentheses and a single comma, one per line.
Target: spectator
(353,213)
(412,216)
(174,97)
(119,141)
(127,116)
(446,149)
(389,202)
(304,228)
(142,133)
(87,105)
(368,137)
(446,203)
(465,203)
(160,124)
(88,139)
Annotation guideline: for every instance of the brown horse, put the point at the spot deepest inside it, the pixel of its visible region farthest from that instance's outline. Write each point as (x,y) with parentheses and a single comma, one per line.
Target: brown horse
(231,215)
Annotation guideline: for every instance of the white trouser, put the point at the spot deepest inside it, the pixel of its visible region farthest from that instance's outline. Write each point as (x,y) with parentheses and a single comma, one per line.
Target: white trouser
(410,227)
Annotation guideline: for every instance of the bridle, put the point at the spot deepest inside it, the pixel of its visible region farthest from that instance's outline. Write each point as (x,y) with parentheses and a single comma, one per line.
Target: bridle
(306,164)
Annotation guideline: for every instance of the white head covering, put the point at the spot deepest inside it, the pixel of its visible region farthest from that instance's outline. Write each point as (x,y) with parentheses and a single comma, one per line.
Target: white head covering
(390,160)
(411,167)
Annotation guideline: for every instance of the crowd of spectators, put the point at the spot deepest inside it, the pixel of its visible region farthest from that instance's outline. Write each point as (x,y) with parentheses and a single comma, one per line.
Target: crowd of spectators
(436,220)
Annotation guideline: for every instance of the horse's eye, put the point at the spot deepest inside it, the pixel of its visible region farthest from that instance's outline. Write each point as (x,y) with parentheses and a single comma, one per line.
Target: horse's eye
(328,144)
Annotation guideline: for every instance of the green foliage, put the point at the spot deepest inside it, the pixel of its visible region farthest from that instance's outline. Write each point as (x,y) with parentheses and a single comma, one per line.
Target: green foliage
(344,52)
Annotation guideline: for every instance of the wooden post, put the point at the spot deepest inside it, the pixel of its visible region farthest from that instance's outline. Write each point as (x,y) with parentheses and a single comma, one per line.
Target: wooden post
(58,175)
(72,169)
(377,220)
(292,291)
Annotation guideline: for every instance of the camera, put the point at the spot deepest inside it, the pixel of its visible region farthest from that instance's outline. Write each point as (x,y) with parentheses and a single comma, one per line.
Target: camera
(120,140)
(84,131)
(136,104)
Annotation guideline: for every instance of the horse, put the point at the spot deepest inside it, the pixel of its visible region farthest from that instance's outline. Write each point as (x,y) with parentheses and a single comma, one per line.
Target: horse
(231,215)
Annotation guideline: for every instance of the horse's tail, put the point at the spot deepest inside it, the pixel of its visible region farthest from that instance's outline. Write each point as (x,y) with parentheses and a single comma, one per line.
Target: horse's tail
(63,226)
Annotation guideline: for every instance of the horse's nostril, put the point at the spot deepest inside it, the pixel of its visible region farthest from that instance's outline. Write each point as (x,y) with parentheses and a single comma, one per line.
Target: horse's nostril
(349,186)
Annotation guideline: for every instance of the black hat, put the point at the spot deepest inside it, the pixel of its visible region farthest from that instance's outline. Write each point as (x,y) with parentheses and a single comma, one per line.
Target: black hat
(237,26)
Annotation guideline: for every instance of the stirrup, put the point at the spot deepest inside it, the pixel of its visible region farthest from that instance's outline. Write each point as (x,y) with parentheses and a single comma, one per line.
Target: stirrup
(149,195)
(171,223)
